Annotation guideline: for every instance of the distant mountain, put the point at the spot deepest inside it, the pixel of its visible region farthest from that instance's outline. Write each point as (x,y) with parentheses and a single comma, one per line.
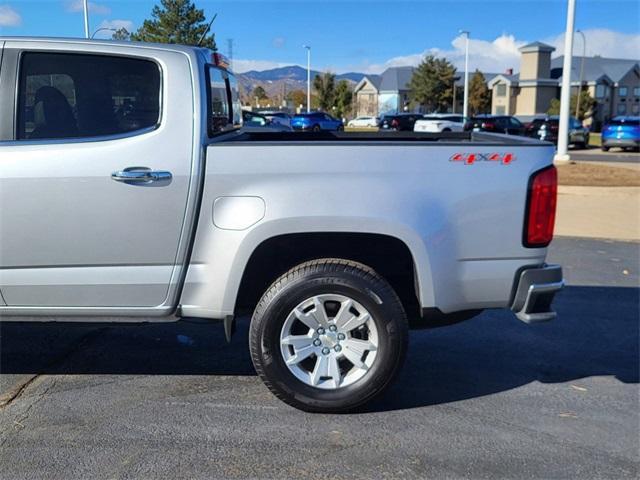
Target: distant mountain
(277,82)
(295,73)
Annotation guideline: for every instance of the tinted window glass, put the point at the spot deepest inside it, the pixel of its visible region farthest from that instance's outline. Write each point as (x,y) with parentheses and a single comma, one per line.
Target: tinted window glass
(73,96)
(219,111)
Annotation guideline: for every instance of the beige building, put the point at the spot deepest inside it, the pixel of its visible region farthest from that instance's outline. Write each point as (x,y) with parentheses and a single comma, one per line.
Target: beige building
(614,83)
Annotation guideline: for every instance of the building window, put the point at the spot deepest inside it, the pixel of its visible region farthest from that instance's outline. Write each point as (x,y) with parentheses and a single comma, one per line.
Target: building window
(622,109)
(635,109)
(636,91)
(622,92)
(500,109)
(600,91)
(501,90)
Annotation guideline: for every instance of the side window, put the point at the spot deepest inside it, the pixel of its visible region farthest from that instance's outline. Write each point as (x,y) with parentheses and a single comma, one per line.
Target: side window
(219,116)
(515,123)
(64,95)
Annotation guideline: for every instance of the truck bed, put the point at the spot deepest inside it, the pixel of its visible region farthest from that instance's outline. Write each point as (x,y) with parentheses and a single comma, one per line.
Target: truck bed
(381,138)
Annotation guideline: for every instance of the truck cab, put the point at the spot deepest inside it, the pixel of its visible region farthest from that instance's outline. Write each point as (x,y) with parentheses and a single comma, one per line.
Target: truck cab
(83,123)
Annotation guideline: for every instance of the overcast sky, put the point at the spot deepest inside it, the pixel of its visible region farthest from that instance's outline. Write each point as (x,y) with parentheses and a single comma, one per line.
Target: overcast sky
(364,36)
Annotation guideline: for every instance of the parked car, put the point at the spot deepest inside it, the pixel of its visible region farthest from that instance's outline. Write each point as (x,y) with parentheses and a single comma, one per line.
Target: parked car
(316,122)
(332,245)
(366,122)
(546,128)
(281,118)
(495,124)
(440,123)
(258,120)
(623,132)
(401,122)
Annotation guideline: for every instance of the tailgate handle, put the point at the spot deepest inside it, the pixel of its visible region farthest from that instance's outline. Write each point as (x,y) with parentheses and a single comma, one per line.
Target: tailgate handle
(141,175)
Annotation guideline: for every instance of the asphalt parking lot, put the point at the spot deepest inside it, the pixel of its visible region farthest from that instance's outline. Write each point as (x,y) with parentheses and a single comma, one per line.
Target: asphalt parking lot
(489,398)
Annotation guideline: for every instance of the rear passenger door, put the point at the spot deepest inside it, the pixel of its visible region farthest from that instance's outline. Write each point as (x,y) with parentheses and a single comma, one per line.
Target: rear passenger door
(94,177)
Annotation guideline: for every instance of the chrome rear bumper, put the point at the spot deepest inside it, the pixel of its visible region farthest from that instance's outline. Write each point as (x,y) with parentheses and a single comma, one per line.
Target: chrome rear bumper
(535,291)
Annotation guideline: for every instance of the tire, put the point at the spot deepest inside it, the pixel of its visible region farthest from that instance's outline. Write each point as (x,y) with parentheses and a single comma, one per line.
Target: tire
(605,149)
(316,128)
(446,130)
(340,128)
(327,282)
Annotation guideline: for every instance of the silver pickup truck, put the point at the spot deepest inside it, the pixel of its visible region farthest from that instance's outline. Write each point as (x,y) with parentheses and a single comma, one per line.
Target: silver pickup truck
(129,191)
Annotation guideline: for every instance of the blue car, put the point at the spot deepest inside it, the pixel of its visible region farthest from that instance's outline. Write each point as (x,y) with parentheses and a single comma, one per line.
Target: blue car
(316,122)
(623,132)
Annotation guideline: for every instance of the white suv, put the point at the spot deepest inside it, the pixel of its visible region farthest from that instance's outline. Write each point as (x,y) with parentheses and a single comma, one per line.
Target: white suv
(436,123)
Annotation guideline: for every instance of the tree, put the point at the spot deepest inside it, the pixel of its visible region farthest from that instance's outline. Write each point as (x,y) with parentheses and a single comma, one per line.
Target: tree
(479,94)
(325,86)
(587,105)
(343,99)
(259,93)
(430,85)
(298,97)
(121,34)
(175,21)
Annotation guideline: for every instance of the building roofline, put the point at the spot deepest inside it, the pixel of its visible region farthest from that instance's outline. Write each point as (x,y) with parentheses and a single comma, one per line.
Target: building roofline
(536,47)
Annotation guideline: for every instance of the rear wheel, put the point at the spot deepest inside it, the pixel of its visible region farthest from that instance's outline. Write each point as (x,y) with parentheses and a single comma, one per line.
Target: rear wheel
(328,336)
(316,128)
(605,149)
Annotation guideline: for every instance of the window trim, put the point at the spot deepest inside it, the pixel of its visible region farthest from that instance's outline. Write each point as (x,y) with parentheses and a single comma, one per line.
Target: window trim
(95,138)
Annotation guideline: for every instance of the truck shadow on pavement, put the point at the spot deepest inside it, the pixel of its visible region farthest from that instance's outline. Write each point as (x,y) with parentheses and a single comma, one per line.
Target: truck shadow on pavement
(597,333)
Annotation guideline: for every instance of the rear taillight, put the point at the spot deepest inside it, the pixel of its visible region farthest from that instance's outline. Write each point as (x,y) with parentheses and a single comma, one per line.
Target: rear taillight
(541,208)
(488,126)
(394,123)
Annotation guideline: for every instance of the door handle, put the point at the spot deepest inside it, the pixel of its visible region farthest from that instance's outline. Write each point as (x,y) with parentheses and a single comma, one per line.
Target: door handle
(141,175)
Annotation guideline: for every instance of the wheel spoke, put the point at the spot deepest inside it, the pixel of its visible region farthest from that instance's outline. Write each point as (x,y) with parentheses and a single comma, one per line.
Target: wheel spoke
(297,341)
(334,371)
(353,349)
(359,346)
(355,322)
(344,315)
(319,313)
(320,370)
(306,318)
(301,354)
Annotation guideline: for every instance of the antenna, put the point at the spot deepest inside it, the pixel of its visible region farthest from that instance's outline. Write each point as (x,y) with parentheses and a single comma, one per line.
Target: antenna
(206,31)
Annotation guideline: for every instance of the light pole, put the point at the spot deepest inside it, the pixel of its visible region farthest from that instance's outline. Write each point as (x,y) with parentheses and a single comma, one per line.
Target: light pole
(465,102)
(584,53)
(308,77)
(85,5)
(565,91)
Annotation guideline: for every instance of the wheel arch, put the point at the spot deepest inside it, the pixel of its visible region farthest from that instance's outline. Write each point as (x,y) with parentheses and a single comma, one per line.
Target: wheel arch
(389,255)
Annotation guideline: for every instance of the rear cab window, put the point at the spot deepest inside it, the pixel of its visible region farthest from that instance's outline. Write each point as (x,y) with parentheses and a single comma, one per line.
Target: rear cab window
(69,95)
(224,108)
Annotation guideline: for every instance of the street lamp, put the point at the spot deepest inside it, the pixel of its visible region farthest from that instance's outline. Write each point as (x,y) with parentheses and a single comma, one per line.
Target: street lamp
(565,90)
(104,29)
(85,6)
(308,77)
(465,103)
(584,53)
